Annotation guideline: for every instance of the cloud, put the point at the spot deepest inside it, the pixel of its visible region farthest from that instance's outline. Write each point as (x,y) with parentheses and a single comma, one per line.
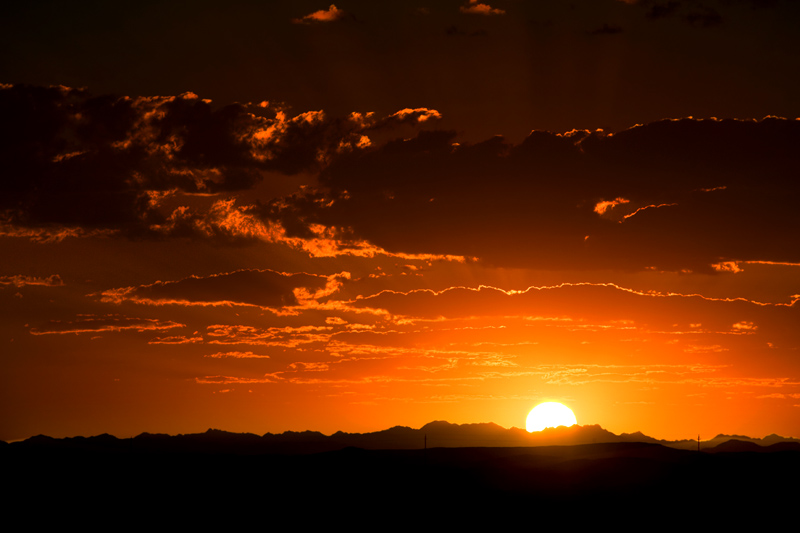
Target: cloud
(174,167)
(601,207)
(76,165)
(539,203)
(587,310)
(48,235)
(652,206)
(476,8)
(236,355)
(661,374)
(234,380)
(22,281)
(110,323)
(727,266)
(418,115)
(286,337)
(475,334)
(267,289)
(715,348)
(323,15)
(177,339)
(227,223)
(309,367)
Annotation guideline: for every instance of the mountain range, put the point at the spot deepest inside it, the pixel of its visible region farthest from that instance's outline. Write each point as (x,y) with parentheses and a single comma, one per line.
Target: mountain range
(437,434)
(467,476)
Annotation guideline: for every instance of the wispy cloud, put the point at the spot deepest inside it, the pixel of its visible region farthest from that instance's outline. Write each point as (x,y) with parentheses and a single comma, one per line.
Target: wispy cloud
(104,324)
(177,339)
(22,281)
(236,355)
(277,291)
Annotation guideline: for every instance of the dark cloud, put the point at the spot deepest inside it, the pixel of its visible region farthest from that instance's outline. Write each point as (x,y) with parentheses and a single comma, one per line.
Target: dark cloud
(261,288)
(674,194)
(686,194)
(250,50)
(104,163)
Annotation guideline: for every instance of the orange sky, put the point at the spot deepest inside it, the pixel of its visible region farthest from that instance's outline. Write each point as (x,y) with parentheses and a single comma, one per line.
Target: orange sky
(352,247)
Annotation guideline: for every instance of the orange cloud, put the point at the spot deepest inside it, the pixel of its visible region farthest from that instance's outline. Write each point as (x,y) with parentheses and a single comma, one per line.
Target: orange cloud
(694,374)
(227,222)
(176,339)
(476,8)
(323,15)
(420,114)
(309,367)
(102,324)
(704,349)
(236,355)
(288,337)
(629,215)
(22,281)
(601,207)
(779,263)
(50,235)
(233,380)
(727,266)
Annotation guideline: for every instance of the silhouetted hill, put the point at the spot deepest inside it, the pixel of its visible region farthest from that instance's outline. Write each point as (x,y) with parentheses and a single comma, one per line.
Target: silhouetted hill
(736,445)
(190,481)
(432,435)
(766,441)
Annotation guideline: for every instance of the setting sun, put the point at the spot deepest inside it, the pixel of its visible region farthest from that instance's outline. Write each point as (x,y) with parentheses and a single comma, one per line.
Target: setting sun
(294,242)
(382,255)
(549,415)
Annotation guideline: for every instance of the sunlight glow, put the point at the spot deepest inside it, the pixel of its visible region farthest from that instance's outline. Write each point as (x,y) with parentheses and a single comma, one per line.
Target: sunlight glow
(549,415)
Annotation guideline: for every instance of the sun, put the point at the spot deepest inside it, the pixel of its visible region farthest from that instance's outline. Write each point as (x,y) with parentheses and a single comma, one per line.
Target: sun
(549,415)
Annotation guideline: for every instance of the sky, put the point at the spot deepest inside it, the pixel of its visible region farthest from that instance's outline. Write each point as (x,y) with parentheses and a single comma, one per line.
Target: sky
(267,216)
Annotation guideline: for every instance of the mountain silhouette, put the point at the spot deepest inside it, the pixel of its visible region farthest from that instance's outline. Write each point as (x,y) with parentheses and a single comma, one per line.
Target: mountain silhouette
(436,434)
(470,476)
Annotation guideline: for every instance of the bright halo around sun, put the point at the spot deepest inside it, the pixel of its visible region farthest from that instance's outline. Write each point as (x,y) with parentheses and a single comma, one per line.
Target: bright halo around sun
(549,415)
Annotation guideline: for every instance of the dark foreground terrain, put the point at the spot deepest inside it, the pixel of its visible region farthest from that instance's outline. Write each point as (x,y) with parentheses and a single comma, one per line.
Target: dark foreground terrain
(630,485)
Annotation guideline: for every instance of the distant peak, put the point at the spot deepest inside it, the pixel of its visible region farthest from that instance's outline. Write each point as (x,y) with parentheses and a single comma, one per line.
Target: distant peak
(438,424)
(724,436)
